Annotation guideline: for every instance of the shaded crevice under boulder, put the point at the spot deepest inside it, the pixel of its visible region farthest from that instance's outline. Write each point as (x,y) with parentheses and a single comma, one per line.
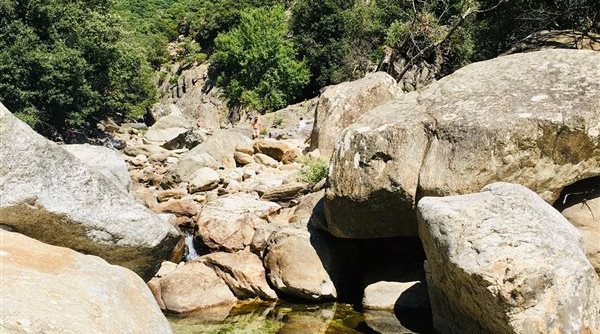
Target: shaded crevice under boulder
(50,195)
(533,119)
(580,204)
(49,289)
(505,261)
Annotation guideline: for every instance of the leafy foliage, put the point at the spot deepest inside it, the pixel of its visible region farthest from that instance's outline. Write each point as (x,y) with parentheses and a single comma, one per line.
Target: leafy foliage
(69,63)
(64,63)
(314,170)
(320,32)
(257,64)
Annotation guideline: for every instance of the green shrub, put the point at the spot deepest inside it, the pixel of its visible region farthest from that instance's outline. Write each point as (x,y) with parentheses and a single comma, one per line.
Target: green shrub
(277,121)
(313,170)
(256,63)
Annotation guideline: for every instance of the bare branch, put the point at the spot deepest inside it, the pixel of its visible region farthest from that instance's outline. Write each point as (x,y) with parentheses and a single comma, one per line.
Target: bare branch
(464,14)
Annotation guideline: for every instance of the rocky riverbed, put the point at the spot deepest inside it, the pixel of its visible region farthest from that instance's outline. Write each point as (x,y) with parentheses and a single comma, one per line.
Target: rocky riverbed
(440,210)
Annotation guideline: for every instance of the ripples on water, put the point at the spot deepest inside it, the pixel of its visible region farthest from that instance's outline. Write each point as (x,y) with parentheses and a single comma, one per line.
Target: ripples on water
(285,318)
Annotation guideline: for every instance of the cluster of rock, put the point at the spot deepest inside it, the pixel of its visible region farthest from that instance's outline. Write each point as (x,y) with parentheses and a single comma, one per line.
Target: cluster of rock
(530,119)
(503,260)
(419,168)
(246,206)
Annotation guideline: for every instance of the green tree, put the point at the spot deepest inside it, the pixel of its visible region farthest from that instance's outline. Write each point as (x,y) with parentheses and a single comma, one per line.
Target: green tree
(222,15)
(320,30)
(65,63)
(256,63)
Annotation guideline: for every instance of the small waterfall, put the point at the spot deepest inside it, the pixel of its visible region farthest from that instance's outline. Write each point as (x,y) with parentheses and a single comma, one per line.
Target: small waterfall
(190,248)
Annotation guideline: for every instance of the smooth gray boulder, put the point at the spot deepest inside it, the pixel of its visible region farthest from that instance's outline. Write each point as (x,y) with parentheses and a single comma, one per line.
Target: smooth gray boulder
(505,261)
(215,152)
(341,105)
(532,119)
(168,128)
(49,289)
(50,195)
(109,163)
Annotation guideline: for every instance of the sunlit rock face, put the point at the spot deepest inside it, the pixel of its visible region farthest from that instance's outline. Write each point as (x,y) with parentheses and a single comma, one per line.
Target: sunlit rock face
(505,261)
(532,119)
(49,289)
(50,195)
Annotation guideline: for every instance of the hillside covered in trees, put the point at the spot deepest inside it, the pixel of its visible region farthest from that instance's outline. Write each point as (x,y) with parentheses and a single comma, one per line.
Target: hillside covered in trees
(68,64)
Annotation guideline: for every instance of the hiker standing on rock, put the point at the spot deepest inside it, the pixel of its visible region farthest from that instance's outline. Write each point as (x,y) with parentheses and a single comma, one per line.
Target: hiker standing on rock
(255,128)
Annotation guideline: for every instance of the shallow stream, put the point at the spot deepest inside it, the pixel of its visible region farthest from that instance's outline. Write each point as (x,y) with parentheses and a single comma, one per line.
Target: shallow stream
(286,318)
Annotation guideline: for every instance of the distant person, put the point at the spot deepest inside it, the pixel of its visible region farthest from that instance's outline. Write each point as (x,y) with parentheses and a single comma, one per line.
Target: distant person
(255,128)
(301,125)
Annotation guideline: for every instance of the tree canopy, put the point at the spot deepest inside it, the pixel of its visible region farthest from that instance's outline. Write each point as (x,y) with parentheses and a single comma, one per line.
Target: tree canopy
(256,63)
(64,63)
(69,63)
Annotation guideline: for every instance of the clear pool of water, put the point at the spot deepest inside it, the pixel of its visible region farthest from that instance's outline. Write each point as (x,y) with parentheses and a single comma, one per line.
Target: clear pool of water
(286,318)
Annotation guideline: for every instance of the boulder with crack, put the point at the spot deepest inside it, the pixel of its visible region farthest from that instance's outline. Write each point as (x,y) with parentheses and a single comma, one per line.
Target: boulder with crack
(532,119)
(229,222)
(243,272)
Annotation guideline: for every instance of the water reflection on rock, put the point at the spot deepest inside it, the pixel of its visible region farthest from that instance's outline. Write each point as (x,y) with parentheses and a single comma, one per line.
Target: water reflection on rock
(265,318)
(404,322)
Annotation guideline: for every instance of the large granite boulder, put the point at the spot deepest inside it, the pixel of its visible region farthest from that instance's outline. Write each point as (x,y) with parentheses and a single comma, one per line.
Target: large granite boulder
(191,287)
(215,152)
(49,289)
(229,222)
(299,264)
(586,217)
(243,272)
(108,162)
(504,261)
(50,195)
(168,127)
(341,105)
(532,119)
